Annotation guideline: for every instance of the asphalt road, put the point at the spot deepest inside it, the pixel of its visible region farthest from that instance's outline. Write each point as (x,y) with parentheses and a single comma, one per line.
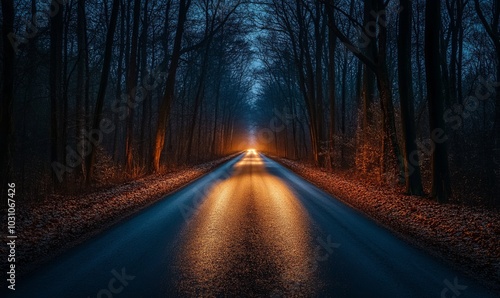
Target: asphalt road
(251,228)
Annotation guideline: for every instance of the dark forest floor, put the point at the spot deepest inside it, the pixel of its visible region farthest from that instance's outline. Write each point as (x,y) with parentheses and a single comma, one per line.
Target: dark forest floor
(467,237)
(48,227)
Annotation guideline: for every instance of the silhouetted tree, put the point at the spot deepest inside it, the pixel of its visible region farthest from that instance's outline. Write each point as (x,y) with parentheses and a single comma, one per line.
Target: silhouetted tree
(440,173)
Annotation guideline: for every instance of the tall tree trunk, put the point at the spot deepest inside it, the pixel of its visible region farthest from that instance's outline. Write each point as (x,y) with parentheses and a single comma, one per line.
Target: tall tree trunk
(319,32)
(440,172)
(200,93)
(131,89)
(7,98)
(81,81)
(390,141)
(368,90)
(32,74)
(166,103)
(343,96)
(213,146)
(411,160)
(55,83)
(119,80)
(96,122)
(143,149)
(332,43)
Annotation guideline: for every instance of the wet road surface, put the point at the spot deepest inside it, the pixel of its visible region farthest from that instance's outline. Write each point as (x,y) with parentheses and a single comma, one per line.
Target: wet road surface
(251,228)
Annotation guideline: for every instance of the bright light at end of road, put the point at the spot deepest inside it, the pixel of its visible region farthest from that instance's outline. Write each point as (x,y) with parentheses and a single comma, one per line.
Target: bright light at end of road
(251,151)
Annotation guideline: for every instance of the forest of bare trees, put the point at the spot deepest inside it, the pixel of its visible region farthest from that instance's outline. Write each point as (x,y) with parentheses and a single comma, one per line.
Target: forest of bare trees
(95,92)
(398,92)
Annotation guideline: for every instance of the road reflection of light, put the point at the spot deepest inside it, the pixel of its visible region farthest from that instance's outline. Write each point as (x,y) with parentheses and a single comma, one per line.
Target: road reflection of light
(250,225)
(290,227)
(249,161)
(251,151)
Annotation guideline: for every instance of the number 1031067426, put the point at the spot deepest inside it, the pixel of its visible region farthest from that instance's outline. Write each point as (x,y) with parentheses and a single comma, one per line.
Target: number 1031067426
(11,203)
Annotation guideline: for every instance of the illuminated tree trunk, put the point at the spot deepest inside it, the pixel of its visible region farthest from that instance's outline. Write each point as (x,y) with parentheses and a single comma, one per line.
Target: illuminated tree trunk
(166,103)
(146,104)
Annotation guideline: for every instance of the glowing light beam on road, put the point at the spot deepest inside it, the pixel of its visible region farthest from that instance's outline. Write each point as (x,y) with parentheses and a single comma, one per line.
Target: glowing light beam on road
(242,215)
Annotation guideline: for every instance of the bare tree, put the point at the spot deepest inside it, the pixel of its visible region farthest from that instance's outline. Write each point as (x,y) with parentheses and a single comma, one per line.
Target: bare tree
(440,173)
(97,117)
(411,159)
(166,103)
(82,66)
(492,28)
(131,87)
(55,92)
